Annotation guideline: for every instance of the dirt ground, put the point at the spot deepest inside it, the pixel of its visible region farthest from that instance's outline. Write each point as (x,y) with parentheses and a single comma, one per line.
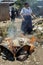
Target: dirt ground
(36,58)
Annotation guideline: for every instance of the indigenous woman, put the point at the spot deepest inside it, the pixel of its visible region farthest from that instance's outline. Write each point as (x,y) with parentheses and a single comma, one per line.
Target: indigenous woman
(26,13)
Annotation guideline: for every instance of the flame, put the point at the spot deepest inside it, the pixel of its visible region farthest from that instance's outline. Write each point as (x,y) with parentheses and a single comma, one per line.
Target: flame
(32,40)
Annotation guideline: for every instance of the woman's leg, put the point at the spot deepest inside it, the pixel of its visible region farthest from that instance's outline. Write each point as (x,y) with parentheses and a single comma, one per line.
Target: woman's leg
(29,25)
(24,27)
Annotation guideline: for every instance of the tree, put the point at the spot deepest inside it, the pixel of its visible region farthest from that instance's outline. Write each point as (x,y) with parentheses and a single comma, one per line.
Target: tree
(31,2)
(20,3)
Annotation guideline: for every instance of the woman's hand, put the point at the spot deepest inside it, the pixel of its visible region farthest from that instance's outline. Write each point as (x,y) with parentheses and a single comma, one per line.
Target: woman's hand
(33,15)
(23,19)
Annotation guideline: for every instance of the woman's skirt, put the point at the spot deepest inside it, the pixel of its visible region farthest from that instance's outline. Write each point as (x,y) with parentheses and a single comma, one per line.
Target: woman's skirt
(26,26)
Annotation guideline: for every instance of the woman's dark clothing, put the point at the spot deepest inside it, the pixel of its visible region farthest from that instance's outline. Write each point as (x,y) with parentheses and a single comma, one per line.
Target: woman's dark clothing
(12,14)
(27,24)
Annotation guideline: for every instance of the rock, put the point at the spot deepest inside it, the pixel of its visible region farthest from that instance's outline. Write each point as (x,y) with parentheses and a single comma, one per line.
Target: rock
(40,28)
(42,46)
(37,63)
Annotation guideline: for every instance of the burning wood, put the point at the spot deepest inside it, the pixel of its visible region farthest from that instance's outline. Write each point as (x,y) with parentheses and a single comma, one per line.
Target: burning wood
(17,46)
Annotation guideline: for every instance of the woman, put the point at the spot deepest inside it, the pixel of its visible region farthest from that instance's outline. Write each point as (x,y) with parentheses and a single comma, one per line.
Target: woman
(12,14)
(26,12)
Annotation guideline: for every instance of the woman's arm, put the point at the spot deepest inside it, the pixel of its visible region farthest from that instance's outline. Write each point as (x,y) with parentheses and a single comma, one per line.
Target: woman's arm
(33,15)
(22,16)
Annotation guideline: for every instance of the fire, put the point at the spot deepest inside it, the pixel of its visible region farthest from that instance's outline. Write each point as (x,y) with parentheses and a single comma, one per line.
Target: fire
(32,40)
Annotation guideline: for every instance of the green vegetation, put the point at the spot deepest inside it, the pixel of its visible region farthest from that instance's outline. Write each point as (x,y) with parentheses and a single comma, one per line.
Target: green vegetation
(19,3)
